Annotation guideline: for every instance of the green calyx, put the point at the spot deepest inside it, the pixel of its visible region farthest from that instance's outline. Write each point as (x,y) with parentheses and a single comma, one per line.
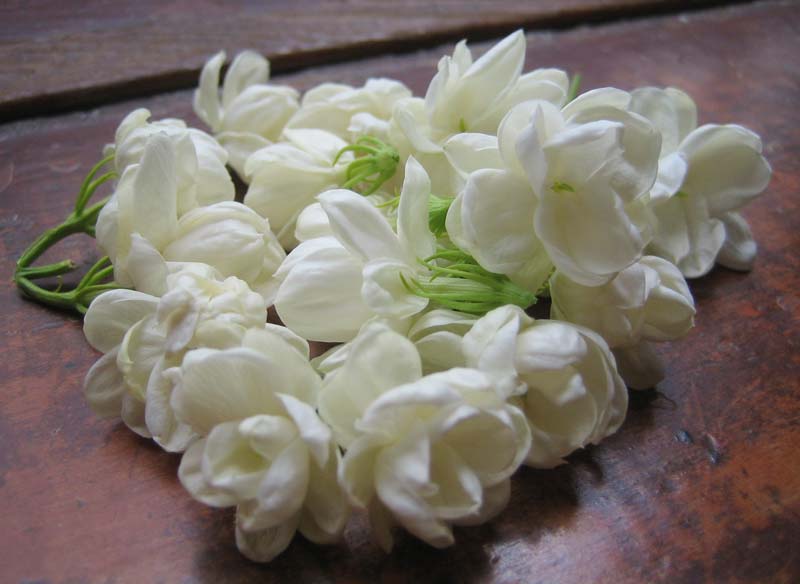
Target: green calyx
(376,163)
(82,220)
(465,286)
(437,214)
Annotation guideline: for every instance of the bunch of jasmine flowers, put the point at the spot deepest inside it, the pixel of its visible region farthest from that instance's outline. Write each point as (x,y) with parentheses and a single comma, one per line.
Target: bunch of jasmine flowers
(419,231)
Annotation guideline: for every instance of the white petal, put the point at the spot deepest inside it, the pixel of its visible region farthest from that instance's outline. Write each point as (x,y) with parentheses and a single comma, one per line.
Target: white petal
(359,226)
(315,434)
(602,97)
(412,213)
(111,314)
(264,545)
(146,267)
(497,213)
(219,386)
(154,208)
(378,360)
(384,292)
(639,365)
(104,386)
(410,509)
(325,509)
(588,234)
(312,222)
(671,174)
(739,250)
(671,111)
(230,464)
(491,346)
(468,152)
(168,433)
(282,490)
(206,96)
(320,298)
(132,414)
(498,69)
(191,476)
(495,500)
(240,146)
(725,166)
(248,68)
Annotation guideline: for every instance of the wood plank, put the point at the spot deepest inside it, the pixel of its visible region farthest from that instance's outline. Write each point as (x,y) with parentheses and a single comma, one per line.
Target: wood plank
(700,484)
(56,56)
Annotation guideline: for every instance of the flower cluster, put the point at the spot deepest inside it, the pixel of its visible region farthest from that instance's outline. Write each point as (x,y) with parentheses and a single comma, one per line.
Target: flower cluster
(419,232)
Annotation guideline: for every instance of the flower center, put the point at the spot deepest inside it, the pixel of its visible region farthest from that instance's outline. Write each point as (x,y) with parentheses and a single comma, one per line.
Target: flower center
(376,164)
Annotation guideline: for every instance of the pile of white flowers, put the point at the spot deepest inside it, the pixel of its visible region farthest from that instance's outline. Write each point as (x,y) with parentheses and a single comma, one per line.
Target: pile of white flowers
(420,230)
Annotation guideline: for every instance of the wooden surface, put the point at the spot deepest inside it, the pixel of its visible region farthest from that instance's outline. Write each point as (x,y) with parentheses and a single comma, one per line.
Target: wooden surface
(702,483)
(56,55)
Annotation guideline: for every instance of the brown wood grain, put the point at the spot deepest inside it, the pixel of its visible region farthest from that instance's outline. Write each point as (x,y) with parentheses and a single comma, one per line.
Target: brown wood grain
(702,483)
(57,55)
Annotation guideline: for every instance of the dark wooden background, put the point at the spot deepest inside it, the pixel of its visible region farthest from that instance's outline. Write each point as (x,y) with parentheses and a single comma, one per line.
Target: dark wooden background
(702,483)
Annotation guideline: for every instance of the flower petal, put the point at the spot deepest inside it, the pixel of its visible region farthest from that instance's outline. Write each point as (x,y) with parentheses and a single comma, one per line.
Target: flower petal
(359,226)
(739,250)
(111,314)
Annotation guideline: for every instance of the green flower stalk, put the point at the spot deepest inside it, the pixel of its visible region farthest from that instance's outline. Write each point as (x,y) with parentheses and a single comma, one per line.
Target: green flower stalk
(82,220)
(574,87)
(377,164)
(465,286)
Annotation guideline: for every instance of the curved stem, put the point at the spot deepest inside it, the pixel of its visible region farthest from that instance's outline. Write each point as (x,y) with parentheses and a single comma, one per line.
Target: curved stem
(47,271)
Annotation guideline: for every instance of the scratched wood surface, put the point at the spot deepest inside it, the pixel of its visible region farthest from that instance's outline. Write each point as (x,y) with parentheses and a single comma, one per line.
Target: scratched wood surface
(56,55)
(702,483)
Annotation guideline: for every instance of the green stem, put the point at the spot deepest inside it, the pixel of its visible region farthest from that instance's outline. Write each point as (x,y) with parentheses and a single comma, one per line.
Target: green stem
(81,220)
(47,271)
(574,87)
(90,184)
(47,240)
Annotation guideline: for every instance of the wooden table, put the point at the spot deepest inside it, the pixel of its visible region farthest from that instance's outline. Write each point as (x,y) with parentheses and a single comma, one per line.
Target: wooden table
(702,483)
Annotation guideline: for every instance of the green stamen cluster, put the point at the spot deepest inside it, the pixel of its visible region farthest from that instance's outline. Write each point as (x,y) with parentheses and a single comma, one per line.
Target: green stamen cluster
(81,220)
(465,286)
(377,164)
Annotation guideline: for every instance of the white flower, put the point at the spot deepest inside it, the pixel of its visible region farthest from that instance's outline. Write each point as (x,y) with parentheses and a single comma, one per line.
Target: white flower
(565,187)
(425,452)
(232,238)
(332,106)
(263,449)
(200,174)
(317,297)
(143,226)
(251,114)
(471,98)
(706,175)
(435,333)
(474,96)
(647,301)
(591,166)
(492,219)
(143,336)
(565,378)
(285,178)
